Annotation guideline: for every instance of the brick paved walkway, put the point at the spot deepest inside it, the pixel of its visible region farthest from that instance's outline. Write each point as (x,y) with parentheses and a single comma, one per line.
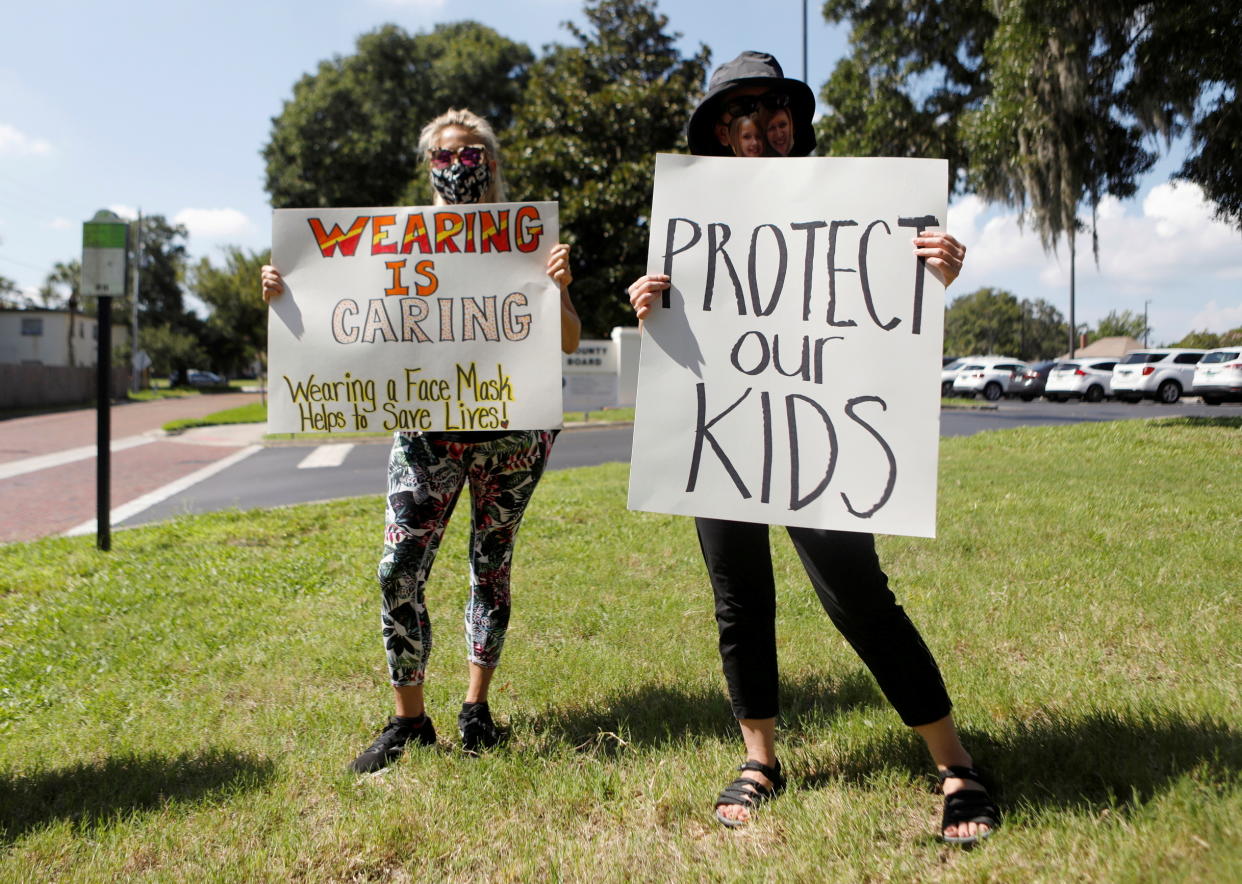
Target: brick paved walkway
(24,437)
(50,501)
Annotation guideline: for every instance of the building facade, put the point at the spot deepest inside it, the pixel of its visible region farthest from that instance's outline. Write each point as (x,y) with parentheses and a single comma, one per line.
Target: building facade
(52,337)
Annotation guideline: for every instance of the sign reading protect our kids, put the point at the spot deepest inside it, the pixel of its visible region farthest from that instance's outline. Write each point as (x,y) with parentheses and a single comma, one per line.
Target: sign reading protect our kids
(791,374)
(417,318)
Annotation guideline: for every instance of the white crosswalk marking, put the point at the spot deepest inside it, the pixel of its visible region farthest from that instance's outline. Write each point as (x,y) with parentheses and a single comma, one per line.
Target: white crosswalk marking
(134,507)
(326,456)
(60,458)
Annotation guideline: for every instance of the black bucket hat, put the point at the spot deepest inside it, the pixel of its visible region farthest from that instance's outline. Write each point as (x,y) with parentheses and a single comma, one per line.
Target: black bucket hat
(751,69)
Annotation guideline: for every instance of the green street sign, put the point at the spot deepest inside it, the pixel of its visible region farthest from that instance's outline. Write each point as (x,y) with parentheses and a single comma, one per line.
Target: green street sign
(103,236)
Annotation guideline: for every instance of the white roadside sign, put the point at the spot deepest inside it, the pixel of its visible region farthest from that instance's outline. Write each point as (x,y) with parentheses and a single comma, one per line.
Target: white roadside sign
(105,240)
(590,374)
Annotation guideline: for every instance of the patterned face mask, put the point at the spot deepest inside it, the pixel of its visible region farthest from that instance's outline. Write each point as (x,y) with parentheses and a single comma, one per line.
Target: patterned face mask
(459,183)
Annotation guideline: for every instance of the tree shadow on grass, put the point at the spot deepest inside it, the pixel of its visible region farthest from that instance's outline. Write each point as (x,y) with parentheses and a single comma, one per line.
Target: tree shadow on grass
(1104,758)
(658,714)
(89,794)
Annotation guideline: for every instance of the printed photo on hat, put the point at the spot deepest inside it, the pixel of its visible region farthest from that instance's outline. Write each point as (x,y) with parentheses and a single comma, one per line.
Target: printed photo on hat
(753,85)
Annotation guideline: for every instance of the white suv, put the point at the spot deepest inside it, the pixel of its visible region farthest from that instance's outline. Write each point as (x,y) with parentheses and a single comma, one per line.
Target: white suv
(948,373)
(990,376)
(1218,376)
(1161,374)
(1089,379)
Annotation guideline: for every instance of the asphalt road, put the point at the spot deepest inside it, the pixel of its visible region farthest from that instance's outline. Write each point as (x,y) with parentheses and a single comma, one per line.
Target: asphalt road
(47,465)
(271,477)
(965,422)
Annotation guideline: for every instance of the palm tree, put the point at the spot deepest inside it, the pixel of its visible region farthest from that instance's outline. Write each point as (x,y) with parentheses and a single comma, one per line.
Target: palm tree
(66,275)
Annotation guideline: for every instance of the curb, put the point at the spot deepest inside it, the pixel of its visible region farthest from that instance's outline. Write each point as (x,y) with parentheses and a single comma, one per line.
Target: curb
(257,436)
(375,438)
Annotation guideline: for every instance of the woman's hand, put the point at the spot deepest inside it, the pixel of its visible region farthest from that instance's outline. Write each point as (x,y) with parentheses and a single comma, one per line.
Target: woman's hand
(558,270)
(944,255)
(644,291)
(558,265)
(273,285)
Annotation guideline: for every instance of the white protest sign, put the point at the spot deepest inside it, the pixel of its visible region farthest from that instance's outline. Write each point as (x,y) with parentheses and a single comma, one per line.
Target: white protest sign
(792,375)
(415,318)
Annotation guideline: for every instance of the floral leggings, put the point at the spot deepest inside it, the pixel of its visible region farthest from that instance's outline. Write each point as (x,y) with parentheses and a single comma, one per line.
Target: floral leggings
(425,476)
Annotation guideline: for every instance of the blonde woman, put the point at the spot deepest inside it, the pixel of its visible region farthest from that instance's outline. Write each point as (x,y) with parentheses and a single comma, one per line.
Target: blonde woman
(426,474)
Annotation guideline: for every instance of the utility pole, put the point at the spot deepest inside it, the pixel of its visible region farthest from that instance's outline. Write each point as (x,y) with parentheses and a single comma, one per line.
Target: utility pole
(804,74)
(1073,341)
(134,370)
(1145,303)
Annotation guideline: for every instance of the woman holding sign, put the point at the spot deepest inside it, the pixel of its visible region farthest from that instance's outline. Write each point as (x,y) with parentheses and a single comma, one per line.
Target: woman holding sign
(843,567)
(426,473)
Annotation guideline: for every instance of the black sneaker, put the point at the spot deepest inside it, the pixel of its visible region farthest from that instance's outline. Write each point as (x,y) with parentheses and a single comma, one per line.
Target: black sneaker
(390,744)
(478,731)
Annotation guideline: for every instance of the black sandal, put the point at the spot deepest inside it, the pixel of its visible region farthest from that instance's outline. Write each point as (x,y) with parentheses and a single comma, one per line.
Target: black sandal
(968,805)
(748,793)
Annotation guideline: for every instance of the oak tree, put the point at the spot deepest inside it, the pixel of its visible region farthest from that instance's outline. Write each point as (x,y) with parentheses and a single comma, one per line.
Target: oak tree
(235,331)
(592,118)
(349,134)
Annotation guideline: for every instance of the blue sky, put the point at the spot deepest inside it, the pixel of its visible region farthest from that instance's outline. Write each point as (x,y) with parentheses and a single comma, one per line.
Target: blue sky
(164,106)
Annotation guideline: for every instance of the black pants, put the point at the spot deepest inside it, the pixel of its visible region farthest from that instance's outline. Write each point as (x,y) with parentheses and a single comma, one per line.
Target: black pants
(845,571)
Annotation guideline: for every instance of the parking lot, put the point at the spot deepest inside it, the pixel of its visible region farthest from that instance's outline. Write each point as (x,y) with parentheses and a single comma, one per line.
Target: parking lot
(981,416)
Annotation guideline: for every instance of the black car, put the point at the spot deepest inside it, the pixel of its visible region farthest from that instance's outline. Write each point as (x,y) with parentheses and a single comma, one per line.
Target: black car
(1031,383)
(204,379)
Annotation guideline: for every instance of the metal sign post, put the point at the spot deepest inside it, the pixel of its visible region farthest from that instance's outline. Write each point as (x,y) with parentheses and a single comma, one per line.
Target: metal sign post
(104,250)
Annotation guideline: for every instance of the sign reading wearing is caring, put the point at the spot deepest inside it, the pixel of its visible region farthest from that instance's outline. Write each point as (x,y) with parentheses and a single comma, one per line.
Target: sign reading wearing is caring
(424,318)
(791,375)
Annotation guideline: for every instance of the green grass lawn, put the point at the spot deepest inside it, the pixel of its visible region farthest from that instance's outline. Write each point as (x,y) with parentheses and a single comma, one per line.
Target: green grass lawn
(159,389)
(183,708)
(608,415)
(164,392)
(253,413)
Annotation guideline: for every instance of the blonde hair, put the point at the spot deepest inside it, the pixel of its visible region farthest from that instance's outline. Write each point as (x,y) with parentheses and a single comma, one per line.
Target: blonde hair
(482,129)
(735,134)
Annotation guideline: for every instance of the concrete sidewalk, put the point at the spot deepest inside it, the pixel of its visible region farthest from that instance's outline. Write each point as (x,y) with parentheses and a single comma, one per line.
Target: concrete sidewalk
(230,435)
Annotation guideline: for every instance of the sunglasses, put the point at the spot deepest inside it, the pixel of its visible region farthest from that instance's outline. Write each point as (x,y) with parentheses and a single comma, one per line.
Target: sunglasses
(470,156)
(745,105)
